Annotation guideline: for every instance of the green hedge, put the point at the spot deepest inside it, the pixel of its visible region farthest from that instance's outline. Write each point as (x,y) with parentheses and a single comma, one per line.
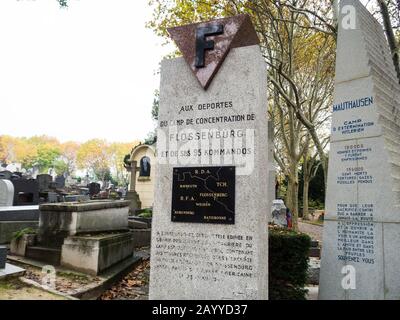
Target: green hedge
(146,213)
(288,264)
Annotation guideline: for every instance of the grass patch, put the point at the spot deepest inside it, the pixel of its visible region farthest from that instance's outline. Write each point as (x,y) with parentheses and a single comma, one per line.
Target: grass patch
(6,285)
(14,289)
(11,284)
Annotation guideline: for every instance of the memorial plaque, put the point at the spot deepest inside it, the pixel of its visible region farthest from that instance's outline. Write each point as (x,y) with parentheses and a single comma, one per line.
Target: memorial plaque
(204,195)
(213,177)
(360,256)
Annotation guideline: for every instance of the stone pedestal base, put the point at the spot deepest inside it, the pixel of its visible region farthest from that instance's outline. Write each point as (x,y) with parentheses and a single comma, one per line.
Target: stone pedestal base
(18,246)
(136,204)
(94,254)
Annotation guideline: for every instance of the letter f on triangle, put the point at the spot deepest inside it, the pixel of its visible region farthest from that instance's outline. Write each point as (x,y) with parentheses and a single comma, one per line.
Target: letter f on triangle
(205,45)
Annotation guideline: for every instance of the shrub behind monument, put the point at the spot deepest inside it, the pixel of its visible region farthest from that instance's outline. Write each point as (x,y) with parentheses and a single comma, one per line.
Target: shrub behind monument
(288,264)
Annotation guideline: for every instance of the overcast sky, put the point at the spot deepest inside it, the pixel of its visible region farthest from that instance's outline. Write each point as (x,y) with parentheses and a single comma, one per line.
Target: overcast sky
(88,71)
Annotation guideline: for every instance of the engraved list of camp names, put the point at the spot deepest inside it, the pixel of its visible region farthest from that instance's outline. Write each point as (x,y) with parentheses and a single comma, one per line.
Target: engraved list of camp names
(355,227)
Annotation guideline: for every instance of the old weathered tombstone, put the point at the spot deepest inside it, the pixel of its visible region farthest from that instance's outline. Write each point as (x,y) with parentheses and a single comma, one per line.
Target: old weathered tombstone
(132,195)
(35,172)
(6,193)
(60,182)
(44,181)
(26,192)
(209,229)
(94,188)
(360,255)
(279,213)
(89,236)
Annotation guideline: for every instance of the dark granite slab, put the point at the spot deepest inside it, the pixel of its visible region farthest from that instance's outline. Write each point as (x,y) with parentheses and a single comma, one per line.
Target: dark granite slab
(3,257)
(19,213)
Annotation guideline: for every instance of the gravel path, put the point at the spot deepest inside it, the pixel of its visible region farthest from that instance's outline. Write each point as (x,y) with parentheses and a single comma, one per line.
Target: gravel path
(314,231)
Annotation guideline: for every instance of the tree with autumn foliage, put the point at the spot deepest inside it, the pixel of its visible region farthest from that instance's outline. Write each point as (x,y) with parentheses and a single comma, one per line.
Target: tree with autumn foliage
(99,157)
(66,163)
(118,151)
(298,40)
(17,150)
(48,149)
(93,156)
(38,151)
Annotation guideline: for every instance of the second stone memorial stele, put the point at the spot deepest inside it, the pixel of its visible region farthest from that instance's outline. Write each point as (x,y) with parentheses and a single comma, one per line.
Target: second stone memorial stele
(209,229)
(360,257)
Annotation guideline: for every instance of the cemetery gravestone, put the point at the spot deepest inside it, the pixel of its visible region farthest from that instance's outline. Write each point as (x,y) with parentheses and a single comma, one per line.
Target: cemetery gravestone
(94,188)
(44,181)
(34,172)
(26,192)
(360,256)
(279,213)
(60,182)
(88,236)
(209,228)
(6,193)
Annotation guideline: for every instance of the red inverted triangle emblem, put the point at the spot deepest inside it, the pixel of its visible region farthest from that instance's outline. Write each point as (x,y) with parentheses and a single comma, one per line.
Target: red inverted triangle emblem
(205,45)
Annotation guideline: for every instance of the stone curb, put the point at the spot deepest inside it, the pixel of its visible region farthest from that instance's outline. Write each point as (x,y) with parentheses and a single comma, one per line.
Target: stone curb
(84,206)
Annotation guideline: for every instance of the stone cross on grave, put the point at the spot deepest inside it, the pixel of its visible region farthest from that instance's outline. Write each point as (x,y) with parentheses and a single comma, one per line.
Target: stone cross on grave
(133,169)
(132,195)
